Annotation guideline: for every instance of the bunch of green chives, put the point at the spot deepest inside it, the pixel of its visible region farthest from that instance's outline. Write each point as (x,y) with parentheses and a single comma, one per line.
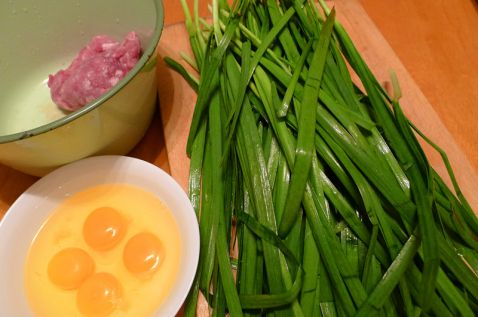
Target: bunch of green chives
(321,186)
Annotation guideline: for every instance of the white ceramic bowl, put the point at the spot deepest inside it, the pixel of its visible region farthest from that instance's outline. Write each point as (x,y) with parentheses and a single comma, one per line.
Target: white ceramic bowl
(32,208)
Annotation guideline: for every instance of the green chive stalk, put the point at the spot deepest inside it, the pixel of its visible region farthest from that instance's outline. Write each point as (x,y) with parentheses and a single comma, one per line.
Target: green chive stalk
(322,186)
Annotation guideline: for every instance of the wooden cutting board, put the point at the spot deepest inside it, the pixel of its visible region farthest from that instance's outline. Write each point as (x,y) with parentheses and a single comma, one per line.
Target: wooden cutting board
(177,98)
(177,101)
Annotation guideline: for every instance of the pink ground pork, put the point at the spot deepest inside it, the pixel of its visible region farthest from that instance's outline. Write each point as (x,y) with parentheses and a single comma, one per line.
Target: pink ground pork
(98,67)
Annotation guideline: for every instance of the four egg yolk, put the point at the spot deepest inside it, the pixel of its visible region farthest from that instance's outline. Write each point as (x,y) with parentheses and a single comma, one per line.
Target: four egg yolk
(70,267)
(143,253)
(99,295)
(73,268)
(103,228)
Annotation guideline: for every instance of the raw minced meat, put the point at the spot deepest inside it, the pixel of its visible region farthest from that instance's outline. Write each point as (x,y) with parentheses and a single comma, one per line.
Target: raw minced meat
(97,68)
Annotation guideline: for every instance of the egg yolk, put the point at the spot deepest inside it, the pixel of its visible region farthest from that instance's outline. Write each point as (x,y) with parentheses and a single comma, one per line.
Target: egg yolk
(104,228)
(143,253)
(70,267)
(99,295)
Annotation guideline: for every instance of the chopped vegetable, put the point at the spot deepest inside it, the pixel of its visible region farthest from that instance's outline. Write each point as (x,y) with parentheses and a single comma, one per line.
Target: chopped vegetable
(321,187)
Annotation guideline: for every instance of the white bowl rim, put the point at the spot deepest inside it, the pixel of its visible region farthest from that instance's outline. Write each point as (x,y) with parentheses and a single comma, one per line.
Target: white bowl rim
(142,62)
(122,169)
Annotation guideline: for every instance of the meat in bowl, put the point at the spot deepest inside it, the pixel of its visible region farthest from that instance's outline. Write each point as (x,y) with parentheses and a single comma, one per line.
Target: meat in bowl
(98,67)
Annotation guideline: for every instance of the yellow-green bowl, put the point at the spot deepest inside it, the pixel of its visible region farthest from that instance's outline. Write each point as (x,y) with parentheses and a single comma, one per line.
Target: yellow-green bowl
(38,38)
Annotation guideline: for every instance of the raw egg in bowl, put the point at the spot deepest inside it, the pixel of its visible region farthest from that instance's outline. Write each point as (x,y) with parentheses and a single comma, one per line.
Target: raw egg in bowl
(104,236)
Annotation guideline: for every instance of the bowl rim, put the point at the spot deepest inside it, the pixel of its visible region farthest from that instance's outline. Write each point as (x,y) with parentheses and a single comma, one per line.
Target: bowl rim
(142,62)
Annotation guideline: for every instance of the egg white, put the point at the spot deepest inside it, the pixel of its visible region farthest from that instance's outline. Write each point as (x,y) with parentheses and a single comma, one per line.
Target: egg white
(142,212)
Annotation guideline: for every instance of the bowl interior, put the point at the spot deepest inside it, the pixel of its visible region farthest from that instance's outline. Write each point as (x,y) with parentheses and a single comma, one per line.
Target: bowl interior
(38,38)
(23,220)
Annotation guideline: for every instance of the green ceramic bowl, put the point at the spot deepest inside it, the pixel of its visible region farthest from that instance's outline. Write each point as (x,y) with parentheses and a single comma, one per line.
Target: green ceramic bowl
(37,38)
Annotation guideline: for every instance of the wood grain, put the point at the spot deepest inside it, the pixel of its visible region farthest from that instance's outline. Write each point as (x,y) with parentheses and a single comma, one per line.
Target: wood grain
(381,58)
(437,41)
